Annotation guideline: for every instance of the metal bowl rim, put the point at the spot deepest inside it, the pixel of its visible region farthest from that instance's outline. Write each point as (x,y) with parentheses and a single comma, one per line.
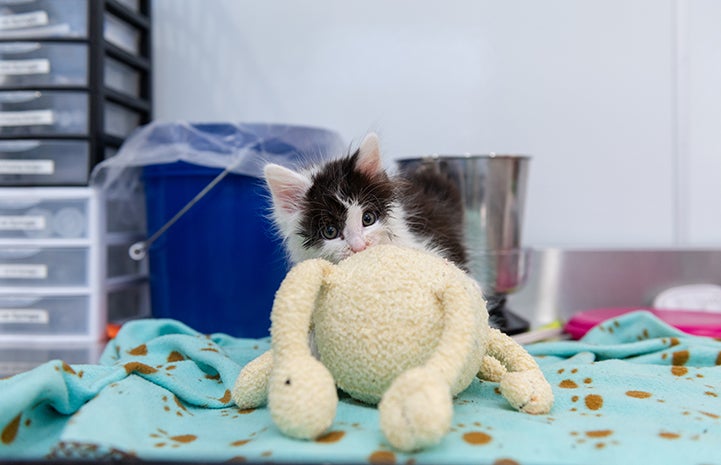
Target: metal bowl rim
(468,156)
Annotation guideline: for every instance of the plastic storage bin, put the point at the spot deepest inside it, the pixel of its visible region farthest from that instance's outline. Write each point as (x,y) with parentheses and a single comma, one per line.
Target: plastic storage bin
(43,266)
(45,315)
(39,64)
(34,218)
(28,113)
(44,162)
(53,258)
(217,268)
(43,18)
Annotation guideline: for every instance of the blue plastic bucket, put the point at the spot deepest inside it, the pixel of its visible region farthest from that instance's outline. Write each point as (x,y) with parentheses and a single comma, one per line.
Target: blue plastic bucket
(217,269)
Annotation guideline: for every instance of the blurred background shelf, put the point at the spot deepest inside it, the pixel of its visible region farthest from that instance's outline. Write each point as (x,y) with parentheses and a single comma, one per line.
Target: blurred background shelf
(75,81)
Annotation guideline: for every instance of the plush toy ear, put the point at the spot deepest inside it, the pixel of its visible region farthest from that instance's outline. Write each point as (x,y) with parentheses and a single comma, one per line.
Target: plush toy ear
(286,186)
(369,155)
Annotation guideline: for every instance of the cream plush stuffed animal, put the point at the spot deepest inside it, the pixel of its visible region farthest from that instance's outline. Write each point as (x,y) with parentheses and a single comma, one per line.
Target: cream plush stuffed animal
(397,327)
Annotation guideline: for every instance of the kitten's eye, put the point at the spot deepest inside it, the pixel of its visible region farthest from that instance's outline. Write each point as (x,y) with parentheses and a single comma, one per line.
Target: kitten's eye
(369,218)
(329,232)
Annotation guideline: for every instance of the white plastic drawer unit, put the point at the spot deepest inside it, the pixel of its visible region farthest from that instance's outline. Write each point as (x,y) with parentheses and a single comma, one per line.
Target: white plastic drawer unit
(28,113)
(47,315)
(20,19)
(41,218)
(37,64)
(43,162)
(43,266)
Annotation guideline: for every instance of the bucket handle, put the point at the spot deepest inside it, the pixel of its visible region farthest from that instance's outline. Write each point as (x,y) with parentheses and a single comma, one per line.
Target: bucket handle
(139,250)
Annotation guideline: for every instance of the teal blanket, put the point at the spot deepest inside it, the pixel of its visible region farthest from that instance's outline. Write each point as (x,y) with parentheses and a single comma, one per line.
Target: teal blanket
(634,390)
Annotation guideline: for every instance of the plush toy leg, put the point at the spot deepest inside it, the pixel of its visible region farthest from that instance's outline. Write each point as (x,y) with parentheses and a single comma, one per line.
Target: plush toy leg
(417,409)
(302,396)
(521,381)
(251,386)
(508,352)
(527,391)
(491,370)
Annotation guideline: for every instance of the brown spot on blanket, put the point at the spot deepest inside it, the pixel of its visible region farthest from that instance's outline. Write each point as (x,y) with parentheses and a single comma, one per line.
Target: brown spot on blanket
(477,438)
(11,430)
(568,384)
(382,457)
(594,401)
(638,394)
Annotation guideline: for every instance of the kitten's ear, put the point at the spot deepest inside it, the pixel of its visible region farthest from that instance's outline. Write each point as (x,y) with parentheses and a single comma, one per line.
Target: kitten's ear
(369,155)
(286,186)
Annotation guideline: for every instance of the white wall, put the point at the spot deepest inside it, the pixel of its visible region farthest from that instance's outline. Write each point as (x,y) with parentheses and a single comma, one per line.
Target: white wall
(618,101)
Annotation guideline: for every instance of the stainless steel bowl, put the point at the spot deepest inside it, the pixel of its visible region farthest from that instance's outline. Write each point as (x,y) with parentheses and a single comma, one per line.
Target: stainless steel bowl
(493,189)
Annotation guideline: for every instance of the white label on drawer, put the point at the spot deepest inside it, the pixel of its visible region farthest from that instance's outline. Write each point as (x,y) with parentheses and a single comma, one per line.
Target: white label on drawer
(22,223)
(27,166)
(23,20)
(23,271)
(18,67)
(21,315)
(26,118)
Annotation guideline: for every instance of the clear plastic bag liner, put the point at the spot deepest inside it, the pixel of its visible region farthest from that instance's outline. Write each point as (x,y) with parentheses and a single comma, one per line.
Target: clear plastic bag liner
(243,148)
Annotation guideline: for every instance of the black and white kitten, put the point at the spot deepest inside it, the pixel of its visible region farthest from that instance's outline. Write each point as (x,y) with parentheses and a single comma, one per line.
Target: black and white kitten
(343,206)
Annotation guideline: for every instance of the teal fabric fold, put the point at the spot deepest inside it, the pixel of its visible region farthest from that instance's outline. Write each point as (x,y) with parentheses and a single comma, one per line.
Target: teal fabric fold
(633,390)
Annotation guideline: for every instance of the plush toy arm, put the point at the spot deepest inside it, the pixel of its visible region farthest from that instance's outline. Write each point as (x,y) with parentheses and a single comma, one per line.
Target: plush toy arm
(302,397)
(293,308)
(521,381)
(416,411)
(251,385)
(459,339)
(504,354)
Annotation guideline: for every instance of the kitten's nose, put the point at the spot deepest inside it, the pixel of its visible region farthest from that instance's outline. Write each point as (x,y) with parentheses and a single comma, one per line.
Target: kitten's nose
(357,244)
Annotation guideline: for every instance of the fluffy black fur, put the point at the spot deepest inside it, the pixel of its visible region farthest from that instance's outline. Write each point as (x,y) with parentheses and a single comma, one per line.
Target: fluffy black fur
(432,204)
